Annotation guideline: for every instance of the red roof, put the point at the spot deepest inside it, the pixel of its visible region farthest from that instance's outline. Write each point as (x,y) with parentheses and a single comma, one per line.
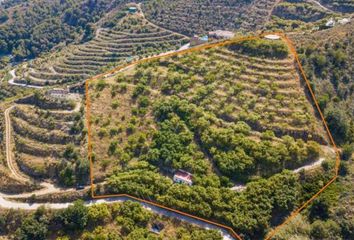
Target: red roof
(183,174)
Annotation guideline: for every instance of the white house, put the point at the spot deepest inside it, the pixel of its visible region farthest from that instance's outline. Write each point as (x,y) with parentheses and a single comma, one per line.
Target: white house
(58,92)
(330,23)
(272,37)
(219,34)
(183,177)
(344,21)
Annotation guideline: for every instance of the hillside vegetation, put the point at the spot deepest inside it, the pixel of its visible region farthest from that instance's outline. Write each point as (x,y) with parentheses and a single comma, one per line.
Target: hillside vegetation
(195,17)
(227,115)
(123,39)
(51,147)
(327,57)
(118,221)
(28,30)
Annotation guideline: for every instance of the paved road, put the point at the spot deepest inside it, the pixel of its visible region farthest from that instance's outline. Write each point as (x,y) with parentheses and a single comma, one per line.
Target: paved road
(4,203)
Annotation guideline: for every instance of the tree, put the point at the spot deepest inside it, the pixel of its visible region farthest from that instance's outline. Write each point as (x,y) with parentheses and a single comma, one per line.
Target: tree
(327,230)
(74,217)
(338,123)
(31,228)
(98,213)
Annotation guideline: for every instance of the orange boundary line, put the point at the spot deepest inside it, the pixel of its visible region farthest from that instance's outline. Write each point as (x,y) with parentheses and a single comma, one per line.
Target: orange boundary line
(195,49)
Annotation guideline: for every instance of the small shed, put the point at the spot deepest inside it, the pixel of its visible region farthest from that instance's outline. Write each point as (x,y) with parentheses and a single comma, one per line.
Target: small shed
(132,10)
(330,23)
(183,177)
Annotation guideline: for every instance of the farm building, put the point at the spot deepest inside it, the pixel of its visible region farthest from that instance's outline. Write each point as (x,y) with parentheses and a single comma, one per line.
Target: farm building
(330,23)
(58,92)
(272,37)
(183,177)
(196,40)
(220,34)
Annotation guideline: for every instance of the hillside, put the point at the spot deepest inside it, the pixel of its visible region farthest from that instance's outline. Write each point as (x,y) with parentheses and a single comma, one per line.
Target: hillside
(224,114)
(118,221)
(52,147)
(327,57)
(119,40)
(196,17)
(230,133)
(28,31)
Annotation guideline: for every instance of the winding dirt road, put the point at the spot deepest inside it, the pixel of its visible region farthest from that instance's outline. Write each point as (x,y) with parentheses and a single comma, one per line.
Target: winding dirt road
(12,81)
(9,160)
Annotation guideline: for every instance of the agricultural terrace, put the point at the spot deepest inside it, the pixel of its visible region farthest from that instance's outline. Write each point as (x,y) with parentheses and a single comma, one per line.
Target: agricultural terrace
(190,17)
(230,115)
(121,39)
(54,146)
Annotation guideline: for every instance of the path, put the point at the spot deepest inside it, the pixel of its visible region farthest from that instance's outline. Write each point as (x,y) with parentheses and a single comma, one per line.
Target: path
(12,81)
(47,188)
(157,210)
(9,161)
(310,166)
(320,5)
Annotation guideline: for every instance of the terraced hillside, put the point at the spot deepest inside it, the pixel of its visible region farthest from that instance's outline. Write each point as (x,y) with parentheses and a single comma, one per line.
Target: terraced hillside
(51,147)
(195,17)
(131,37)
(227,115)
(299,10)
(339,5)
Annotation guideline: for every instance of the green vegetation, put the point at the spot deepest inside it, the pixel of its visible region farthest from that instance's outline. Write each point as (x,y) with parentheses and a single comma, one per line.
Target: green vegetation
(50,148)
(328,66)
(132,38)
(30,31)
(226,116)
(191,17)
(263,48)
(302,11)
(330,215)
(123,221)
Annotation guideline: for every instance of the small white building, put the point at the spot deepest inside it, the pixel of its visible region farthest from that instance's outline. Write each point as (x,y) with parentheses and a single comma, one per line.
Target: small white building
(183,177)
(220,34)
(58,92)
(344,21)
(62,93)
(196,40)
(272,37)
(330,23)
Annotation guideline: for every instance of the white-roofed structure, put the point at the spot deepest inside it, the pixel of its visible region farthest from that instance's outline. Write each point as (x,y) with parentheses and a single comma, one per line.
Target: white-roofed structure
(272,37)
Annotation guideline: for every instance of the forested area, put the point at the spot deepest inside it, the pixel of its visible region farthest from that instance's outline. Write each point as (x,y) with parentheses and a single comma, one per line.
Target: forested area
(117,221)
(252,212)
(329,66)
(34,27)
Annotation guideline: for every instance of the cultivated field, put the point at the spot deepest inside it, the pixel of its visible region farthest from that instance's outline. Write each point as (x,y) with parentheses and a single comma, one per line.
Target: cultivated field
(228,115)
